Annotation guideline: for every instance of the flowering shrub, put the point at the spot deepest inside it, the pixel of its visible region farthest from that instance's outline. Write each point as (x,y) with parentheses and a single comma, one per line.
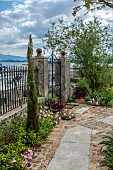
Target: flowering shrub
(66,115)
(15,141)
(102,98)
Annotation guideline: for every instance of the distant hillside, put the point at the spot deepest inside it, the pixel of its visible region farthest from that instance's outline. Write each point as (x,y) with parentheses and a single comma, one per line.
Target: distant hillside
(10,58)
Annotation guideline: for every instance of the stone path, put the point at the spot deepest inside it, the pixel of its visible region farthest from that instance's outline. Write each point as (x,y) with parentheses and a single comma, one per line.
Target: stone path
(73,150)
(63,144)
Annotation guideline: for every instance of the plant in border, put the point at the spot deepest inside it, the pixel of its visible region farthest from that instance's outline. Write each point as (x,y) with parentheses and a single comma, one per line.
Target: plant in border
(107,152)
(32,102)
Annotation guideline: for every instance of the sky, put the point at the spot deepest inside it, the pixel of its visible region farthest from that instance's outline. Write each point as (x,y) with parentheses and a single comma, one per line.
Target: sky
(20,18)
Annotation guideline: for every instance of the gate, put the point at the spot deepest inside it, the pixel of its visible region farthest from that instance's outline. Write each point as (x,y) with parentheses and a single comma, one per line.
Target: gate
(54,76)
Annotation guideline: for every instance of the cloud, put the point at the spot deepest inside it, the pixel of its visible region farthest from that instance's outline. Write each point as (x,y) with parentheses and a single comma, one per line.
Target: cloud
(33,17)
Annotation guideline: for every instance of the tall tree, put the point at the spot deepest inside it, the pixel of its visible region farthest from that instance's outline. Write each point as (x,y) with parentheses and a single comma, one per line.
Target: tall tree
(32,103)
(90,44)
(92,5)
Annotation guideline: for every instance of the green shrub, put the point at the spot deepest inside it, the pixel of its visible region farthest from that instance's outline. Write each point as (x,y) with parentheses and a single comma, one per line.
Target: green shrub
(103,97)
(107,151)
(15,141)
(82,88)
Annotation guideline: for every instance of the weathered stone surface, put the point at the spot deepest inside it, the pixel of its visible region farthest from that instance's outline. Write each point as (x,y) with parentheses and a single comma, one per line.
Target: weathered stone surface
(73,151)
(108,120)
(78,134)
(82,110)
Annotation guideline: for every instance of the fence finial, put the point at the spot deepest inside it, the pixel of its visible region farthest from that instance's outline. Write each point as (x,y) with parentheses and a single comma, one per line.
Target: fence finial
(39,53)
(63,54)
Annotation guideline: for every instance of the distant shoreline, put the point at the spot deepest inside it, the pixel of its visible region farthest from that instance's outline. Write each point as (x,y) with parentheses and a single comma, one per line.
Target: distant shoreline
(13,61)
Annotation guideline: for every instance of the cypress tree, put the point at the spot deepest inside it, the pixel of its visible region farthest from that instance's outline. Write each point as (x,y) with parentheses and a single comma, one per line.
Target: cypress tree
(32,103)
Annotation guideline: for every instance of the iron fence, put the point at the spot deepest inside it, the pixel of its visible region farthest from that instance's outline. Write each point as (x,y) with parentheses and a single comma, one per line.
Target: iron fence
(13,87)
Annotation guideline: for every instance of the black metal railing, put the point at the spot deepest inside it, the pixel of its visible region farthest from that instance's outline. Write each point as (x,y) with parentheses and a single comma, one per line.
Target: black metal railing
(54,76)
(13,87)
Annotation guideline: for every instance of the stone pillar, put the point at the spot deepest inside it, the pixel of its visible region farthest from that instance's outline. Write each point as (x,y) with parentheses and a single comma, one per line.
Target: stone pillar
(65,77)
(41,73)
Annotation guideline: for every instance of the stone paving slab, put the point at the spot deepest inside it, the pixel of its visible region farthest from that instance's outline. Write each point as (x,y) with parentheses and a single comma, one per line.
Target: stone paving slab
(77,134)
(82,110)
(73,151)
(108,120)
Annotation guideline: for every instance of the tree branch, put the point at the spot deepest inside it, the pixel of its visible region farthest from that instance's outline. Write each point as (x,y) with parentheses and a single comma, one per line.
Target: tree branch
(106,3)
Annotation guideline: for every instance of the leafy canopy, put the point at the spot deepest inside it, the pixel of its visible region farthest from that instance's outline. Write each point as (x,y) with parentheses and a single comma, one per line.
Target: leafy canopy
(88,45)
(91,5)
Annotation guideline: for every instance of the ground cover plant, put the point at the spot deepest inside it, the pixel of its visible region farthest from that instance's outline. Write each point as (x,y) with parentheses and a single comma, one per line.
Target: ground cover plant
(107,152)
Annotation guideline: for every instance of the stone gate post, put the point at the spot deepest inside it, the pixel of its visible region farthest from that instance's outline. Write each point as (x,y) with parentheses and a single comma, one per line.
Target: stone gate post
(41,73)
(65,77)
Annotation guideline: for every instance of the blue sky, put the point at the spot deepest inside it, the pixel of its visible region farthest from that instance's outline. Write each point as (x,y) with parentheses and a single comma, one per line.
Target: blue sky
(19,18)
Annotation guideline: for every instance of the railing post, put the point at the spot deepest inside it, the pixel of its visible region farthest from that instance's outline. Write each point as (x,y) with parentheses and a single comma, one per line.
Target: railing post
(65,77)
(41,74)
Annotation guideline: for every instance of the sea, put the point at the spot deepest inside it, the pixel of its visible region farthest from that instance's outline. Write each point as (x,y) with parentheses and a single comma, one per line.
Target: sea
(13,63)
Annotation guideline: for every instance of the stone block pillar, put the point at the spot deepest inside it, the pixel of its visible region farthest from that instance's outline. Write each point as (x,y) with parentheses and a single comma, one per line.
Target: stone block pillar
(65,77)
(41,74)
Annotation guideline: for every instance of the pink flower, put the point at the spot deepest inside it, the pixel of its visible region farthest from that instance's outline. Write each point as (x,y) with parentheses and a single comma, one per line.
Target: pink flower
(25,156)
(35,154)
(29,157)
(31,152)
(26,161)
(22,155)
(14,160)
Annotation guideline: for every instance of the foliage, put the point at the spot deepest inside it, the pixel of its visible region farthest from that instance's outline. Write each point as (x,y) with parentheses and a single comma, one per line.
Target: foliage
(92,5)
(46,124)
(107,152)
(82,88)
(54,105)
(70,99)
(15,141)
(102,98)
(88,45)
(32,107)
(55,110)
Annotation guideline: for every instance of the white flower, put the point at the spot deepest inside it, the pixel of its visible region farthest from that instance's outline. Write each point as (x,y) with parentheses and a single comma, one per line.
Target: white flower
(93,99)
(97,103)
